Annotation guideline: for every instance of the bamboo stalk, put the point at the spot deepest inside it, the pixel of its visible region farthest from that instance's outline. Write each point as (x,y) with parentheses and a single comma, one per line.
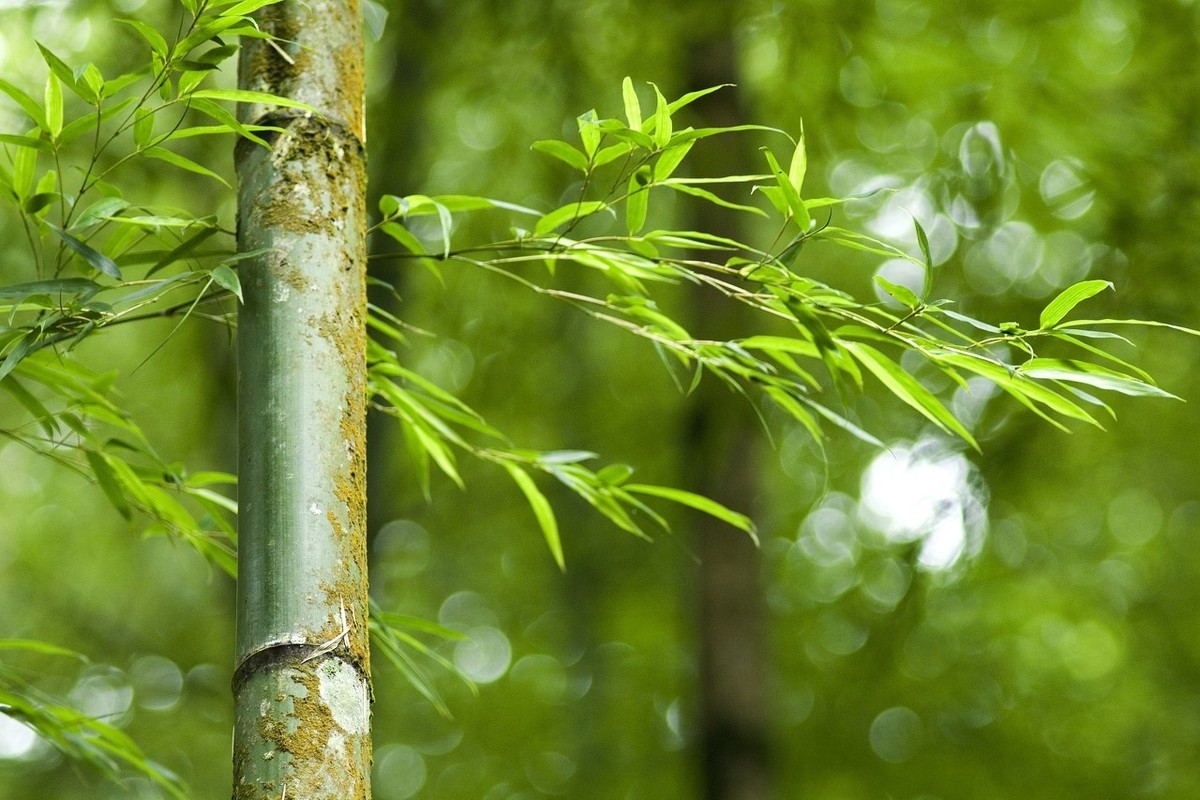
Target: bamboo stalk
(302,683)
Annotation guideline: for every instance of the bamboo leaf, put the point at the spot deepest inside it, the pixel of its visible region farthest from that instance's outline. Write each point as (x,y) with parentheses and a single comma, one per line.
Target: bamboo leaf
(224,276)
(799,166)
(589,132)
(637,203)
(54,106)
(670,160)
(107,479)
(1059,369)
(903,294)
(183,162)
(248,96)
(907,389)
(92,256)
(32,142)
(923,243)
(633,108)
(796,207)
(1070,297)
(541,509)
(563,152)
(152,37)
(567,213)
(698,502)
(662,119)
(27,103)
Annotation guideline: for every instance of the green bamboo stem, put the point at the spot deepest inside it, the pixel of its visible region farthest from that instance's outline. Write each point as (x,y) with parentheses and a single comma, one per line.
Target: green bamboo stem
(302,682)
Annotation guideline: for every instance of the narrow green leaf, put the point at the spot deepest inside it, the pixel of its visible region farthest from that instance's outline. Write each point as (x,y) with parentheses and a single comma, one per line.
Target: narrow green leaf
(691,97)
(902,294)
(37,410)
(923,243)
(1070,297)
(799,166)
(98,212)
(698,502)
(1069,371)
(403,236)
(247,7)
(27,103)
(796,207)
(227,279)
(248,96)
(565,456)
(563,152)
(907,389)
(57,289)
(183,162)
(155,39)
(662,119)
(615,474)
(589,133)
(94,80)
(567,213)
(541,509)
(92,256)
(54,106)
(670,160)
(42,648)
(107,479)
(633,108)
(33,142)
(684,186)
(638,201)
(39,202)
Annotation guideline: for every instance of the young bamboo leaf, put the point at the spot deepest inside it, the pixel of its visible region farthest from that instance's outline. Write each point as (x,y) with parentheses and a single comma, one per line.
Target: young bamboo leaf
(1069,371)
(227,279)
(54,106)
(799,166)
(799,212)
(662,119)
(637,202)
(541,509)
(906,387)
(152,37)
(183,162)
(589,132)
(27,103)
(633,108)
(567,213)
(563,152)
(248,96)
(698,502)
(99,211)
(33,142)
(923,243)
(670,160)
(92,256)
(1070,297)
(107,480)
(903,294)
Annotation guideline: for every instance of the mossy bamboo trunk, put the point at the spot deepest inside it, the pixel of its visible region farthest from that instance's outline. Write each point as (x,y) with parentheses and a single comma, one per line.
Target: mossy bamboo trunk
(302,683)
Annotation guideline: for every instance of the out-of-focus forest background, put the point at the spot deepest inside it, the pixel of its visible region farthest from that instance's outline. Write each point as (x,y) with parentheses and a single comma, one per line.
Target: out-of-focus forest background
(922,623)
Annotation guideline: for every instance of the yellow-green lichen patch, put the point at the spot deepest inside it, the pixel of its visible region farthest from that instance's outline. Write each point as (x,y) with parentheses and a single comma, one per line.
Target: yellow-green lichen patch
(320,733)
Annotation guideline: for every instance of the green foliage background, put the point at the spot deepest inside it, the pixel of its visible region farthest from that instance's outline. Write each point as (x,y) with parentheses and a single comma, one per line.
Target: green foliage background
(1041,145)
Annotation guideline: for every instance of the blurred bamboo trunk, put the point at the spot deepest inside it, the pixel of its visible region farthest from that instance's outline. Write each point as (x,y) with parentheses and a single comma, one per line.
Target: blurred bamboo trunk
(302,681)
(734,723)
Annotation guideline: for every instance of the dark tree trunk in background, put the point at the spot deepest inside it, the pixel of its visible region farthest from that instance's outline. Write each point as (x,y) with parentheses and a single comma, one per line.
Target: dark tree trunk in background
(302,682)
(734,730)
